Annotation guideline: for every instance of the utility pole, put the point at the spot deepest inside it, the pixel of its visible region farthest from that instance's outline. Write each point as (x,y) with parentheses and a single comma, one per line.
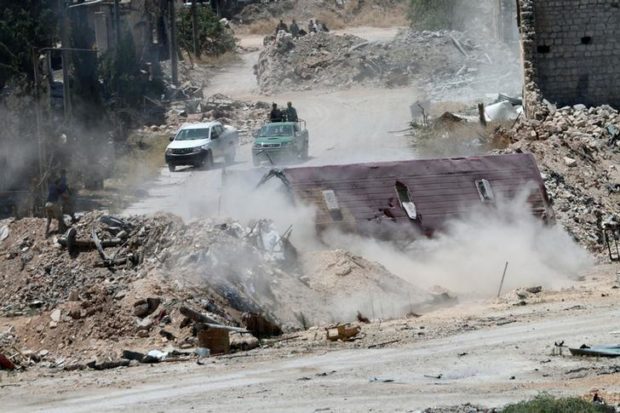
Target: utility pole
(66,61)
(117,24)
(195,29)
(173,42)
(37,115)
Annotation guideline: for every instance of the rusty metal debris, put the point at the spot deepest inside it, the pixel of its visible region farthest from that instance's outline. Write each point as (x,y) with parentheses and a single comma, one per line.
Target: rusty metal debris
(343,332)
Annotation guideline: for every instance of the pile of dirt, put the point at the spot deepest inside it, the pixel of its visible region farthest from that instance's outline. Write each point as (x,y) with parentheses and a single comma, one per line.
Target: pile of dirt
(245,116)
(578,151)
(438,62)
(335,12)
(356,284)
(113,282)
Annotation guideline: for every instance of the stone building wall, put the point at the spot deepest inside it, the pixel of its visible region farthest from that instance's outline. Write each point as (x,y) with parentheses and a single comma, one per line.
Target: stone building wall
(571,51)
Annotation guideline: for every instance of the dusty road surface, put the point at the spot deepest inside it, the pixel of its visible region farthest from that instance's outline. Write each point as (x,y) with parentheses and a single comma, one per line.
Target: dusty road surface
(345,126)
(488,353)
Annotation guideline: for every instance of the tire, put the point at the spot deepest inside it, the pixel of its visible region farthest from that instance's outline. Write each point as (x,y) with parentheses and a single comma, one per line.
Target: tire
(171,167)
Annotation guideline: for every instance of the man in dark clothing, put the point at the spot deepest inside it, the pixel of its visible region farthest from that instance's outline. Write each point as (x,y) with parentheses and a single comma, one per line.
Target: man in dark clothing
(66,196)
(52,206)
(294,29)
(281,26)
(276,114)
(291,113)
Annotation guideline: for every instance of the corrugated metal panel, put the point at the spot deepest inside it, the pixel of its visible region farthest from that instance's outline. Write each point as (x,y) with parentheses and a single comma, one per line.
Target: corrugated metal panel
(439,188)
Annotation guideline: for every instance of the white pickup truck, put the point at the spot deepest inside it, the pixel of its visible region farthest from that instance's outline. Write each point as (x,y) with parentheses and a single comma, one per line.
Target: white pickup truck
(198,144)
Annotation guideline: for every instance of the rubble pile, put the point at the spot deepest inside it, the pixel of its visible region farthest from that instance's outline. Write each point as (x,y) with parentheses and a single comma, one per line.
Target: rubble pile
(438,62)
(303,10)
(138,281)
(359,284)
(578,151)
(245,116)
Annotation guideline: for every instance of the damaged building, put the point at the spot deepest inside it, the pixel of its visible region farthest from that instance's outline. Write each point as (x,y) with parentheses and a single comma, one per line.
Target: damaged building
(406,199)
(571,52)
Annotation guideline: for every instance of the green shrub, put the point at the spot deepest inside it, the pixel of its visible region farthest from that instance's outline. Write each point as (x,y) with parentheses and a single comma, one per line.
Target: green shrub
(213,38)
(547,404)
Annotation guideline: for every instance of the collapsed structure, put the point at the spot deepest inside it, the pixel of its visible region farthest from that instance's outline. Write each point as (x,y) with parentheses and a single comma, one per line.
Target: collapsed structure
(406,198)
(439,62)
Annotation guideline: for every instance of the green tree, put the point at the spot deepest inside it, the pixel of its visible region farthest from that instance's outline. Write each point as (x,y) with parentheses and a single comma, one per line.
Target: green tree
(213,38)
(122,76)
(25,25)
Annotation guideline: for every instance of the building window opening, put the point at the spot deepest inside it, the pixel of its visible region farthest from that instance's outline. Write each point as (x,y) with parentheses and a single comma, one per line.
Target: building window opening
(331,202)
(544,49)
(485,190)
(406,202)
(586,40)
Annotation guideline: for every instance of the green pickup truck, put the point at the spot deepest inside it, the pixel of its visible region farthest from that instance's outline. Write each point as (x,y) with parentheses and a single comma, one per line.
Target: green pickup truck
(280,142)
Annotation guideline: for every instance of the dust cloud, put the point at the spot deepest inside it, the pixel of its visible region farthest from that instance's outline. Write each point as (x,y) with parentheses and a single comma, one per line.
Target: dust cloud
(469,256)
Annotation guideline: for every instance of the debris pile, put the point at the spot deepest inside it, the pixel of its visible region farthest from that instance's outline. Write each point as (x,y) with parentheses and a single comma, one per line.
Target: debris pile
(245,116)
(438,62)
(141,281)
(578,151)
(332,10)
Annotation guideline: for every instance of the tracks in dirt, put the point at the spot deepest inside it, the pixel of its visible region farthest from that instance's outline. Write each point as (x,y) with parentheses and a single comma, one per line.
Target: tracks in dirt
(491,367)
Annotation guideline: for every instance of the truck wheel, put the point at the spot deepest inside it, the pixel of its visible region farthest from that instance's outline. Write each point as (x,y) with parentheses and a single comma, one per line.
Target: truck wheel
(171,167)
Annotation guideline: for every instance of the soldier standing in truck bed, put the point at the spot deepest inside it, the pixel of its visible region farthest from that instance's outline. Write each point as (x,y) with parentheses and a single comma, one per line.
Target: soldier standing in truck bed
(291,113)
(276,114)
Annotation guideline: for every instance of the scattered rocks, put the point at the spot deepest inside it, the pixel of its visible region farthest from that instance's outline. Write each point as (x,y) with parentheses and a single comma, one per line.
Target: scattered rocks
(437,61)
(245,116)
(578,151)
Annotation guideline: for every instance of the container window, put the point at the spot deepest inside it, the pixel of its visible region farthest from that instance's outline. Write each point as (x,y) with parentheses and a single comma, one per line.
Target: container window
(485,190)
(405,200)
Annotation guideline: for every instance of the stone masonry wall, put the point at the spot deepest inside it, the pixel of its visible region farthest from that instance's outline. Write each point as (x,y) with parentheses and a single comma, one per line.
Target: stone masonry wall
(571,51)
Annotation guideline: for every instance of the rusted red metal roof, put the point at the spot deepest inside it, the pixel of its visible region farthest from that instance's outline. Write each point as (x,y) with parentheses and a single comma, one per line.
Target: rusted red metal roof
(419,195)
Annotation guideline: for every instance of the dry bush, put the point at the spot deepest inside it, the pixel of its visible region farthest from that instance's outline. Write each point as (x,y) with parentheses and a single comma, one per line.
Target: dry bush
(263,27)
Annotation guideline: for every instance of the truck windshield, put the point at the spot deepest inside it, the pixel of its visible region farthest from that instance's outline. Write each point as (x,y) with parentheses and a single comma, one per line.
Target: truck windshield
(192,134)
(276,130)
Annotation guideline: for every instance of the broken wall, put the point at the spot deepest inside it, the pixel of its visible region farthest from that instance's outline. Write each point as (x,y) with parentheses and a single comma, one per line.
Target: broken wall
(571,52)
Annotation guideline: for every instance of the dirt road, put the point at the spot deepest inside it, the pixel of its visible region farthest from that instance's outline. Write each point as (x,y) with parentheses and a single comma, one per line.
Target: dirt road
(489,365)
(344,126)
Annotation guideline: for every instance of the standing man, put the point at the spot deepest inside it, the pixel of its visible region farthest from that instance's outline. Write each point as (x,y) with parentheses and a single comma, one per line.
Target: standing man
(311,26)
(281,26)
(276,114)
(52,206)
(66,196)
(291,113)
(294,29)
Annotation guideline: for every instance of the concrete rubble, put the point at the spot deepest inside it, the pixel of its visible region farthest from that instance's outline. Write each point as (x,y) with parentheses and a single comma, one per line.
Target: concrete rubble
(578,151)
(166,285)
(245,116)
(437,62)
